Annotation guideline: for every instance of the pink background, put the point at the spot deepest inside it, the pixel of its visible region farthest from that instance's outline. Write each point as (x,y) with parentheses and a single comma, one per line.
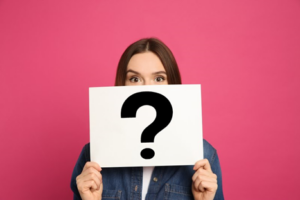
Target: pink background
(246,55)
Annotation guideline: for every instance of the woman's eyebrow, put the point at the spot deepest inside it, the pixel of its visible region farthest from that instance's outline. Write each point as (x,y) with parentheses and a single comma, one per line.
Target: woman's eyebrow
(160,72)
(132,71)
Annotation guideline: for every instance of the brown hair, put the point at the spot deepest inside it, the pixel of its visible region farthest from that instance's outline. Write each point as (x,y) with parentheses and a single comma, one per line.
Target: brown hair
(157,47)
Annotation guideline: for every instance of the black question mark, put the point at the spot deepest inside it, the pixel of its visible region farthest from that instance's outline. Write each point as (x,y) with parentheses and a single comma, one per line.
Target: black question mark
(164,114)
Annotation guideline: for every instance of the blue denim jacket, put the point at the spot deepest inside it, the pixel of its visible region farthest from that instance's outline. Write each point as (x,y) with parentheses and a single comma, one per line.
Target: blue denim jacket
(173,182)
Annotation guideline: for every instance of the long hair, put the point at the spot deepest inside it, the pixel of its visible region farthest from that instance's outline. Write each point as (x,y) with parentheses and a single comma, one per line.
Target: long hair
(155,46)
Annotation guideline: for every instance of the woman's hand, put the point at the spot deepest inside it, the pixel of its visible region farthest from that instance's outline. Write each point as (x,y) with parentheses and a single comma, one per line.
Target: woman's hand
(89,182)
(204,185)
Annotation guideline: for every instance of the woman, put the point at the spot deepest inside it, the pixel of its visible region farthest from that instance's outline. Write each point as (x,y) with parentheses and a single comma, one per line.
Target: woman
(148,62)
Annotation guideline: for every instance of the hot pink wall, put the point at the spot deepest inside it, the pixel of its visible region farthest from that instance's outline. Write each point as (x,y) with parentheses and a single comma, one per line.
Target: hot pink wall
(246,55)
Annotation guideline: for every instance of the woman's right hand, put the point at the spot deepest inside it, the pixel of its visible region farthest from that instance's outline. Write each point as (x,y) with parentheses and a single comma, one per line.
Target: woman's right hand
(89,182)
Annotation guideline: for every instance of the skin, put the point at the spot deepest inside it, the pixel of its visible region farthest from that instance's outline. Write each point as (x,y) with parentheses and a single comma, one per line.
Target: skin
(147,69)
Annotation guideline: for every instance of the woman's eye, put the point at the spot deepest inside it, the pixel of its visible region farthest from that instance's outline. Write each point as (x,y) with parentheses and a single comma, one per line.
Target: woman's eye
(134,79)
(159,79)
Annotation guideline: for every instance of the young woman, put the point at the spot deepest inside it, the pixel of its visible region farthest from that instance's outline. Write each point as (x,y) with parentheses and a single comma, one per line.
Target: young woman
(148,62)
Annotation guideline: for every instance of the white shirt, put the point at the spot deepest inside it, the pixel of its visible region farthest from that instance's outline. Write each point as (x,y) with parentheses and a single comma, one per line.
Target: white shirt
(147,173)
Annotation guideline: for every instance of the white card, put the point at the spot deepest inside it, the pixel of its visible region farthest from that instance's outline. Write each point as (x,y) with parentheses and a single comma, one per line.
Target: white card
(119,125)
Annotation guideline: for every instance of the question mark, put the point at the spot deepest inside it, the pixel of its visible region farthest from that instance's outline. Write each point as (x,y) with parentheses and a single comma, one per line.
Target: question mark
(164,114)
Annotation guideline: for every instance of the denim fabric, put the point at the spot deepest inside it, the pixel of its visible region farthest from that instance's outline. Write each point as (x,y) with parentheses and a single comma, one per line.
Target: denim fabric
(173,182)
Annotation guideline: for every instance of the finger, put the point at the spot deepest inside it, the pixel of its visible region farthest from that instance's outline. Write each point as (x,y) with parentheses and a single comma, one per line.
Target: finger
(93,177)
(200,179)
(87,185)
(209,186)
(90,174)
(92,164)
(100,190)
(203,172)
(206,178)
(197,185)
(202,163)
(95,186)
(196,174)
(89,171)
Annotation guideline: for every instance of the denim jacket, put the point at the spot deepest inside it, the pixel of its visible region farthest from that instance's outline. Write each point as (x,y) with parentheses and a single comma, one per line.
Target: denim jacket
(168,182)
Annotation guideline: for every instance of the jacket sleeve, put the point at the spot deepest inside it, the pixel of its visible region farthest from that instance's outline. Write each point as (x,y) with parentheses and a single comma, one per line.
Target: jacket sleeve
(83,158)
(210,153)
(216,168)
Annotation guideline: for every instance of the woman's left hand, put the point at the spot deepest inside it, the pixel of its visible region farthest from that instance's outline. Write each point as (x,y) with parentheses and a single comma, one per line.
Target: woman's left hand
(205,184)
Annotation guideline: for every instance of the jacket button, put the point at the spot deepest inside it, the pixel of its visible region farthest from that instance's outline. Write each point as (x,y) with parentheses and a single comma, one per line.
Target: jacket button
(136,187)
(155,179)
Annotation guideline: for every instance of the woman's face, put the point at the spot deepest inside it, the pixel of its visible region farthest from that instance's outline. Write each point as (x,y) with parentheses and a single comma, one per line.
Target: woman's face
(145,69)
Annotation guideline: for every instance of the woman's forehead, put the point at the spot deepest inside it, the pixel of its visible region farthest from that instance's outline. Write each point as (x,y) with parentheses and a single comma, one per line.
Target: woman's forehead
(146,62)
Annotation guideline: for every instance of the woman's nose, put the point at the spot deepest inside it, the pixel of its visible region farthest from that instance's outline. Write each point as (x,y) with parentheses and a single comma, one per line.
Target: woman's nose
(148,82)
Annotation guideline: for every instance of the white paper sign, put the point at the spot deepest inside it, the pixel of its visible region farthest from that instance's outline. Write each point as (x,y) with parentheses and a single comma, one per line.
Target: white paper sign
(120,114)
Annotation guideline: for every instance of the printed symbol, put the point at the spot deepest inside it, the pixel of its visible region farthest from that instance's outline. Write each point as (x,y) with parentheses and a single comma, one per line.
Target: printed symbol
(164,114)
